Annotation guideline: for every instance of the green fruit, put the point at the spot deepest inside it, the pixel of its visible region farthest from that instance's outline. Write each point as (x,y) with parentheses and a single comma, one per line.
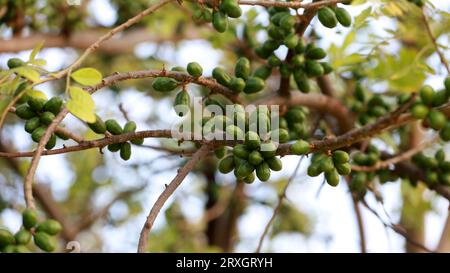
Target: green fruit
(360,158)
(300,48)
(377,111)
(340,157)
(51,142)
(327,68)
(194,69)
(129,127)
(298,62)
(275,32)
(253,85)
(358,182)
(164,84)
(431,177)
(313,68)
(300,147)
(182,103)
(38,133)
(114,147)
(250,178)
(32,124)
(226,165)
(445,132)
(178,69)
(15,62)
(241,151)
(98,126)
(269,46)
(287,22)
(431,163)
(47,118)
(263,72)
(234,132)
(221,76)
(237,84)
(50,226)
(447,84)
(281,134)
(220,152)
(6,238)
(220,21)
(427,94)
(315,53)
(137,141)
(436,119)
(242,69)
(113,127)
(277,17)
(255,158)
(268,150)
(231,8)
(332,177)
(344,169)
(371,159)
(326,164)
(125,151)
(444,179)
(273,61)
(263,171)
(419,111)
(327,17)
(302,81)
(314,170)
(285,70)
(244,169)
(444,166)
(343,17)
(291,41)
(440,98)
(36,104)
(61,136)
(53,105)
(22,237)
(21,90)
(252,140)
(44,241)
(359,93)
(29,218)
(275,163)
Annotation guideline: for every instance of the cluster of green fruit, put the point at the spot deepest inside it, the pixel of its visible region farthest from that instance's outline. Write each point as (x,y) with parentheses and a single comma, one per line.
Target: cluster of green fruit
(331,16)
(368,109)
(418,3)
(332,165)
(217,14)
(41,232)
(113,127)
(359,179)
(437,169)
(423,108)
(294,120)
(39,114)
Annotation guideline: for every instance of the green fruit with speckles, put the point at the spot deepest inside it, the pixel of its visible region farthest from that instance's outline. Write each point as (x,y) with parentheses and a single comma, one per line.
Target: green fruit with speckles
(291,41)
(125,151)
(15,62)
(327,17)
(280,135)
(263,171)
(313,68)
(36,104)
(113,127)
(23,237)
(445,132)
(344,18)
(98,126)
(250,178)
(226,165)
(358,182)
(300,147)
(164,84)
(237,84)
(427,94)
(436,119)
(315,53)
(302,81)
(47,118)
(255,158)
(129,127)
(252,140)
(241,151)
(268,150)
(243,170)
(24,112)
(182,103)
(263,72)
(29,218)
(419,111)
(221,76)
(253,85)
(32,124)
(231,8)
(314,170)
(275,163)
(114,147)
(439,98)
(326,164)
(340,157)
(242,69)
(344,169)
(44,241)
(38,133)
(220,152)
(194,69)
(51,142)
(6,238)
(332,177)
(327,68)
(50,226)
(220,21)
(53,105)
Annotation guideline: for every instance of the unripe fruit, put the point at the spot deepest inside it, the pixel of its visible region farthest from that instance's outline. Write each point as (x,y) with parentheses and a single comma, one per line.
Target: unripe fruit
(269,46)
(419,111)
(24,112)
(29,218)
(360,158)
(51,142)
(314,170)
(291,41)
(47,118)
(343,16)
(253,85)
(445,132)
(114,147)
(447,84)
(340,157)
(302,81)
(234,132)
(263,171)
(231,8)
(440,155)
(313,68)
(244,169)
(275,19)
(268,150)
(344,169)
(263,72)
(220,152)
(273,61)
(226,165)
(237,84)
(22,237)
(332,177)
(300,48)
(359,93)
(275,163)
(241,151)
(38,133)
(444,179)
(439,98)
(178,69)
(436,119)
(164,84)
(32,124)
(15,62)
(431,177)
(252,140)
(221,76)
(194,69)
(327,17)
(287,22)
(36,104)
(327,68)
(44,241)
(129,127)
(326,164)
(113,127)
(50,226)
(242,69)
(275,32)
(358,182)
(125,151)
(315,53)
(98,126)
(220,21)
(21,249)
(183,101)
(6,238)
(250,178)
(427,94)
(255,158)
(300,147)
(53,105)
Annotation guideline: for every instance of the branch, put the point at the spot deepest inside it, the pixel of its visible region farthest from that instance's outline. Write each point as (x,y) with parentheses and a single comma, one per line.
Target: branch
(168,191)
(294,4)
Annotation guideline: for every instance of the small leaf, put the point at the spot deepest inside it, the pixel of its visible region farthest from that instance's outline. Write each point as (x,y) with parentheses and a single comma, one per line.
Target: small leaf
(81,104)
(87,76)
(36,50)
(38,62)
(28,73)
(36,94)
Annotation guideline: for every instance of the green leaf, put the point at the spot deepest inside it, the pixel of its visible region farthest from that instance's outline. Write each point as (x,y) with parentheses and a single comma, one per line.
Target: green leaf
(36,50)
(38,62)
(81,104)
(28,73)
(87,76)
(36,94)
